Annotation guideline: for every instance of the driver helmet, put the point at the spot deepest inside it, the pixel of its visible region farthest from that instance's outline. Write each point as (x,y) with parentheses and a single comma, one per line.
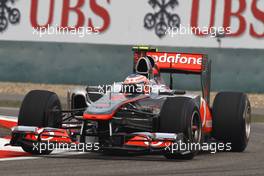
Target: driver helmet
(140,84)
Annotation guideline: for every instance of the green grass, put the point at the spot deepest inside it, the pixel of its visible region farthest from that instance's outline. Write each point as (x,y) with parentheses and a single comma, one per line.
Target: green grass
(257,118)
(16,104)
(10,103)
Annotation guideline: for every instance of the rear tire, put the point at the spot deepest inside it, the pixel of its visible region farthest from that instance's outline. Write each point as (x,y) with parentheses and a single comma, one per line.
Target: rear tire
(35,111)
(180,115)
(231,119)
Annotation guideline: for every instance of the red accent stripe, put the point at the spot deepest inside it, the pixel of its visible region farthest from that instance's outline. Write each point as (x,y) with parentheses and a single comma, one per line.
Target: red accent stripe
(98,116)
(109,116)
(10,154)
(7,123)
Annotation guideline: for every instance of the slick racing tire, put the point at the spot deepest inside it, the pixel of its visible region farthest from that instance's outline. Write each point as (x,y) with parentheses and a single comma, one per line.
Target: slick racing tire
(36,111)
(232,119)
(181,115)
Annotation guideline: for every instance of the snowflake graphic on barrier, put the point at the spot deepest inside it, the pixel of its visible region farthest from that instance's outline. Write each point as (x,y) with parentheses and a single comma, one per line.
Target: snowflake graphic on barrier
(8,14)
(162,19)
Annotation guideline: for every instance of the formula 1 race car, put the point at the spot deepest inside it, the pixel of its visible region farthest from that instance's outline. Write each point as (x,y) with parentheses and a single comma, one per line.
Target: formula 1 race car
(139,115)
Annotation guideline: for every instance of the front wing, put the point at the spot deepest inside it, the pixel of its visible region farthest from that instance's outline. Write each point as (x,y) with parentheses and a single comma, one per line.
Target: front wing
(131,142)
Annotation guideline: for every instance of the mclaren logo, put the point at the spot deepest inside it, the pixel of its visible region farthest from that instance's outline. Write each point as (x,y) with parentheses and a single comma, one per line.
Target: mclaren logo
(161,20)
(8,14)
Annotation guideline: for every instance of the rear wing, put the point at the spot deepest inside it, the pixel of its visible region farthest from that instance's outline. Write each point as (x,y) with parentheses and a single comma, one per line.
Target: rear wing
(187,63)
(177,62)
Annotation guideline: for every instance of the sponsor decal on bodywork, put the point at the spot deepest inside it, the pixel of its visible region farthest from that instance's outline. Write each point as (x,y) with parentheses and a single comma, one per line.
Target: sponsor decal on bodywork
(179,61)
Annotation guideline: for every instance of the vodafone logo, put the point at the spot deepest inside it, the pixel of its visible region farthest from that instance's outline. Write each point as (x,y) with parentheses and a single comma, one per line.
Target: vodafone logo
(178,61)
(176,58)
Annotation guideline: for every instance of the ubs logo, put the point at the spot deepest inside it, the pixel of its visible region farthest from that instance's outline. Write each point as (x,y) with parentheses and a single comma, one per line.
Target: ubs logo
(162,19)
(8,14)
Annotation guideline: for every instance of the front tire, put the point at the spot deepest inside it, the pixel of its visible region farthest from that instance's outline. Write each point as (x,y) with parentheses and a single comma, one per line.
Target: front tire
(181,115)
(231,119)
(36,111)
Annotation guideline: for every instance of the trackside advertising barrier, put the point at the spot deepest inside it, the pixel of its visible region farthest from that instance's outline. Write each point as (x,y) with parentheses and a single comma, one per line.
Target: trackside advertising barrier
(183,23)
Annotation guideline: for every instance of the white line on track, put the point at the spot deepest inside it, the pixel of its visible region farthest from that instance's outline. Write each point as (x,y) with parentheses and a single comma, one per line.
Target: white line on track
(8,118)
(18,158)
(8,148)
(9,108)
